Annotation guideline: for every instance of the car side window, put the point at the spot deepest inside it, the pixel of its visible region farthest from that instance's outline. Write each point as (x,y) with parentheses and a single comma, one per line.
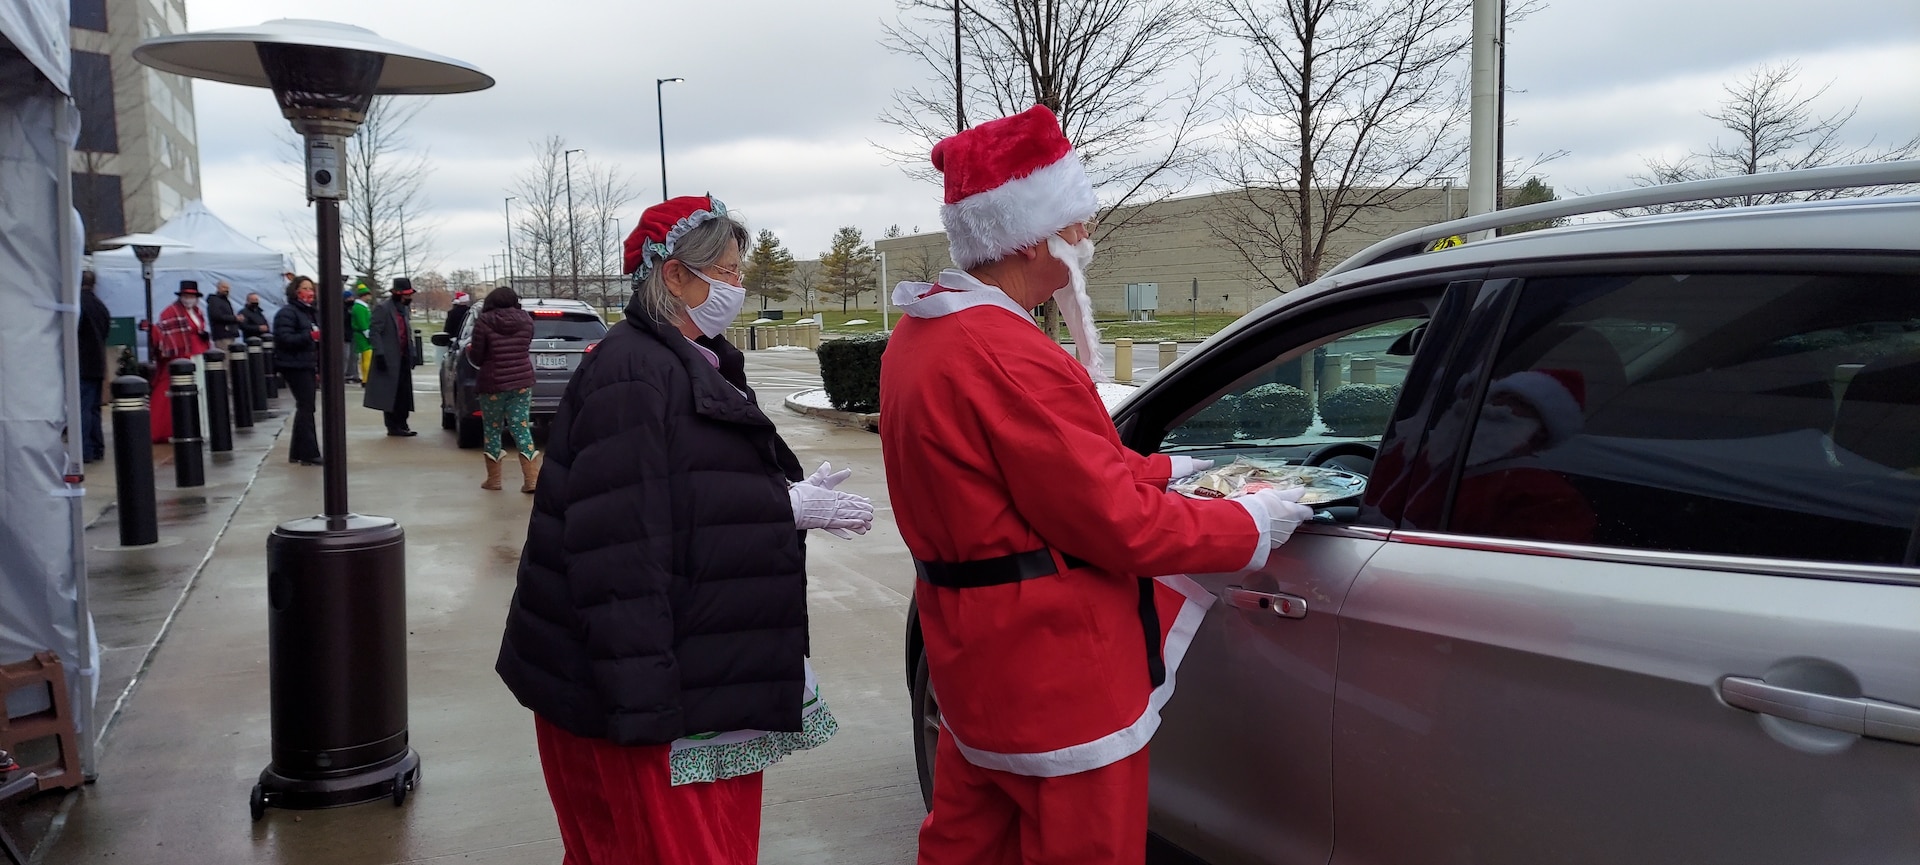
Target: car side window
(1339,389)
(1752,414)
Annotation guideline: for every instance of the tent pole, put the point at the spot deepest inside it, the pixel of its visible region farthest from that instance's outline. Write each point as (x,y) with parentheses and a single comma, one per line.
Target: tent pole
(86,682)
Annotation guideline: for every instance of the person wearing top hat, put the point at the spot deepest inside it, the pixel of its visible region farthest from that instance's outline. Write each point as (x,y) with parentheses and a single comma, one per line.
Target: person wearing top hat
(182,332)
(1038,537)
(389,386)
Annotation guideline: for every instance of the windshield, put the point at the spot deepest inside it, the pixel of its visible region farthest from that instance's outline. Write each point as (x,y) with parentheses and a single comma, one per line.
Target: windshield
(571,327)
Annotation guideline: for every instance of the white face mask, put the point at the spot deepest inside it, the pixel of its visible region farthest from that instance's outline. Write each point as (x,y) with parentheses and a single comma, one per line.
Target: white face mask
(1500,434)
(189,302)
(722,305)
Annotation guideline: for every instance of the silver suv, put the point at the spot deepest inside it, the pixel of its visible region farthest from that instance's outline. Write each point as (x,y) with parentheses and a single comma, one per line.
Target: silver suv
(1633,580)
(564,331)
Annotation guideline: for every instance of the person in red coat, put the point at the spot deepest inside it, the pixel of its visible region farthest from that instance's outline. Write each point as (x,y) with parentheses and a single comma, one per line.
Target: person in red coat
(1037,537)
(182,332)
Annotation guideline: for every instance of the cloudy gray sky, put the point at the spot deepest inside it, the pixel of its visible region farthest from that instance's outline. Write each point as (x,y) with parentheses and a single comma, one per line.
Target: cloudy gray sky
(778,112)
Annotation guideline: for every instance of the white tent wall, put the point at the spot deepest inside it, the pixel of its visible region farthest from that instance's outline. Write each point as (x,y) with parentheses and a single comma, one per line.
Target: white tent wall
(217,253)
(43,602)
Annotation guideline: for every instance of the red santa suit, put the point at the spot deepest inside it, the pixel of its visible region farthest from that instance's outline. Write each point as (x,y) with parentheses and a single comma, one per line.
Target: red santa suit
(999,450)
(180,333)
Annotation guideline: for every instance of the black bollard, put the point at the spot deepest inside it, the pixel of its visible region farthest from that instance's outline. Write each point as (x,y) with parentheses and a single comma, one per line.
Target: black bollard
(133,462)
(219,423)
(240,384)
(257,371)
(189,458)
(272,371)
(419,349)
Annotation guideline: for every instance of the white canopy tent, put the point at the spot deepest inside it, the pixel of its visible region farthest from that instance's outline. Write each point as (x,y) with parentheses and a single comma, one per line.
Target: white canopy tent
(43,602)
(215,252)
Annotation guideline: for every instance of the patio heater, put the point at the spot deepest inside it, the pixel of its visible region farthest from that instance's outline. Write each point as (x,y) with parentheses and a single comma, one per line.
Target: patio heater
(146,247)
(336,582)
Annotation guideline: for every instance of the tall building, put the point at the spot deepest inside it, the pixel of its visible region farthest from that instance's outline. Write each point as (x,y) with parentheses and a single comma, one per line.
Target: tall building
(138,158)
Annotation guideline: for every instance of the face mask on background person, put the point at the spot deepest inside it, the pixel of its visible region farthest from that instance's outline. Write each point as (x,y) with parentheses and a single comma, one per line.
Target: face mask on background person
(189,302)
(723,303)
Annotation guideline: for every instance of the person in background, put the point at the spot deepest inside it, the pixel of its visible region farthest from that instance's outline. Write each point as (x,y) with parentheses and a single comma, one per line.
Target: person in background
(457,314)
(359,319)
(390,385)
(296,355)
(182,333)
(220,314)
(1036,534)
(658,629)
(95,323)
(502,336)
(253,319)
(349,359)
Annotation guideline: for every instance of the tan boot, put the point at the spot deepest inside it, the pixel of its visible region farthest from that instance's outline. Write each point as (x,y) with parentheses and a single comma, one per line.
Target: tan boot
(493,473)
(529,472)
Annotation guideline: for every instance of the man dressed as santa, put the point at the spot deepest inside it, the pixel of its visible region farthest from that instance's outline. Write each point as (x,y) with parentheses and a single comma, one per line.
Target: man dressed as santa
(1036,535)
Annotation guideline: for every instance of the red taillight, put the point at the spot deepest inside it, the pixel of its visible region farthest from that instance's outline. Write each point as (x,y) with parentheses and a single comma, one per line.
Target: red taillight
(549,313)
(476,413)
(591,346)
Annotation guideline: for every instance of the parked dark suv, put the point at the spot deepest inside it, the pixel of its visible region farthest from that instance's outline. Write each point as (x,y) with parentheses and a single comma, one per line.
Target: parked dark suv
(1676,618)
(563,332)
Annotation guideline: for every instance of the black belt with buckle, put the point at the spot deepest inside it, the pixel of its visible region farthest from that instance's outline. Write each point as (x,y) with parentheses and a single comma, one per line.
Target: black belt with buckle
(995,571)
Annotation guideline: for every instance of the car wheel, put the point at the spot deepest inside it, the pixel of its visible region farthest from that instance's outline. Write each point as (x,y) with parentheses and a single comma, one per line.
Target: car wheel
(469,433)
(926,728)
(447,420)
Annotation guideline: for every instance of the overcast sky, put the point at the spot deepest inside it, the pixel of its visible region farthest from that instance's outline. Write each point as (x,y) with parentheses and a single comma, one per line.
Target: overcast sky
(777,115)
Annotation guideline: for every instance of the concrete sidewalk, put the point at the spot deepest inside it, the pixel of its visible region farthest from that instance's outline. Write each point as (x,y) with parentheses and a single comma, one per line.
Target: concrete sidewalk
(177,767)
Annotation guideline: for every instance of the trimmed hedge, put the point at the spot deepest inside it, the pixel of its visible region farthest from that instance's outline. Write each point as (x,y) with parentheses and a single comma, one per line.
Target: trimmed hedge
(1275,411)
(1215,423)
(850,369)
(1358,409)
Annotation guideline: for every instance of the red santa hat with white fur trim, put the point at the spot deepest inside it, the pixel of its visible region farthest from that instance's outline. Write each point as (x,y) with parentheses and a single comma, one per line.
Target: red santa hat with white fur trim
(1558,396)
(1011,183)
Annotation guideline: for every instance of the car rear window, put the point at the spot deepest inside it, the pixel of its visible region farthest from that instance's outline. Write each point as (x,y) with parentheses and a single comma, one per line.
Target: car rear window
(572,326)
(1760,414)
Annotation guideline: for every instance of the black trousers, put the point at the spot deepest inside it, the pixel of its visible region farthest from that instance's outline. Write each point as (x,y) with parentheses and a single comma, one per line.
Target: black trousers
(303,383)
(396,420)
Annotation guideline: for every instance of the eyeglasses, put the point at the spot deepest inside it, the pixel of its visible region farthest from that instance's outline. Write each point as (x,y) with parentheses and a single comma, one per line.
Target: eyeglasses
(737,275)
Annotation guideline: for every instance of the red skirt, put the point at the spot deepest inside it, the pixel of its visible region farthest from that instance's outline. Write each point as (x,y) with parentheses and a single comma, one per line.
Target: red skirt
(618,806)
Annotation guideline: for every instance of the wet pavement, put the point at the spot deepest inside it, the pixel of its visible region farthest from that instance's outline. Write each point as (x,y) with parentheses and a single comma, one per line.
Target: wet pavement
(177,764)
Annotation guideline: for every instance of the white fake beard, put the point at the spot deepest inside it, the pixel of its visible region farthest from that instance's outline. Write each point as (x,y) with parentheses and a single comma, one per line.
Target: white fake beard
(1075,306)
(1500,434)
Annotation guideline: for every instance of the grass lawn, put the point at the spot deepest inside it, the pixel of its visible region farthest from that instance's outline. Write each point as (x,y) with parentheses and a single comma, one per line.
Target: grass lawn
(1168,327)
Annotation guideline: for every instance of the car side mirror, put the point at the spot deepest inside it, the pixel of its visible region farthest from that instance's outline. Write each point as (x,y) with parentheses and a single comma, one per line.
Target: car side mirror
(442,339)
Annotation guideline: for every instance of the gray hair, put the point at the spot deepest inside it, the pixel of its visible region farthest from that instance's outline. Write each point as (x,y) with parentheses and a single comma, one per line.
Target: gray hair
(700,248)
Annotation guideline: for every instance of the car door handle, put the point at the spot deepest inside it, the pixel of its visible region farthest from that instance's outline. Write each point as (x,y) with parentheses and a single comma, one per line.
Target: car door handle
(1858,715)
(1280,604)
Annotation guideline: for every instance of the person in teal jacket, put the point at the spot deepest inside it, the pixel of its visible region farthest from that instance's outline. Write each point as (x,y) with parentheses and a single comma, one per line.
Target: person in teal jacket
(359,319)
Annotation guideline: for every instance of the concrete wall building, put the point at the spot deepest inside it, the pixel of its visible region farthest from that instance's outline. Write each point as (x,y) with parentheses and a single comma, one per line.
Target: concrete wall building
(1180,245)
(138,159)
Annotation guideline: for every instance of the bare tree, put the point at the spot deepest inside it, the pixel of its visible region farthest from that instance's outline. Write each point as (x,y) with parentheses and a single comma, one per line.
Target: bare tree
(607,190)
(383,216)
(1103,66)
(1346,108)
(1774,126)
(805,282)
(540,222)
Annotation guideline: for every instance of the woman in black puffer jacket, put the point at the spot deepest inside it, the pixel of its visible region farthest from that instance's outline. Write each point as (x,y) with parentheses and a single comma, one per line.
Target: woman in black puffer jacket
(296,352)
(501,337)
(658,629)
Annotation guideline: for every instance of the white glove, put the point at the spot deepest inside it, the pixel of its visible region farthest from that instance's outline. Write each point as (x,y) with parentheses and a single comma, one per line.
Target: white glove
(817,507)
(1184,467)
(826,477)
(1276,513)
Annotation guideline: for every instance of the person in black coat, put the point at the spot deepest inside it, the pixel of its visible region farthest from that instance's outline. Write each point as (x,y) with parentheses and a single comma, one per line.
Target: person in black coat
(221,316)
(390,385)
(296,355)
(658,629)
(253,319)
(95,323)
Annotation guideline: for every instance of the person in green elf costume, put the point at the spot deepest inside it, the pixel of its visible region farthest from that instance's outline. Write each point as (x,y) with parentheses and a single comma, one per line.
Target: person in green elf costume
(359,319)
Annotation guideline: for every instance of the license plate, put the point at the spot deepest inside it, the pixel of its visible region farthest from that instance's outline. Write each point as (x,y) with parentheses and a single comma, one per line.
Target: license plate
(549,361)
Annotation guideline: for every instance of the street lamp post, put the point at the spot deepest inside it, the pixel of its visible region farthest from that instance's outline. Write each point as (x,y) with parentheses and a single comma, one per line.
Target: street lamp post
(336,582)
(509,208)
(660,113)
(573,237)
(146,247)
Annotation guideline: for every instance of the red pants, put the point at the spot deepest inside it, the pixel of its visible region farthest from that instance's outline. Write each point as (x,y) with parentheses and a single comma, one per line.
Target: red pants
(617,806)
(984,817)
